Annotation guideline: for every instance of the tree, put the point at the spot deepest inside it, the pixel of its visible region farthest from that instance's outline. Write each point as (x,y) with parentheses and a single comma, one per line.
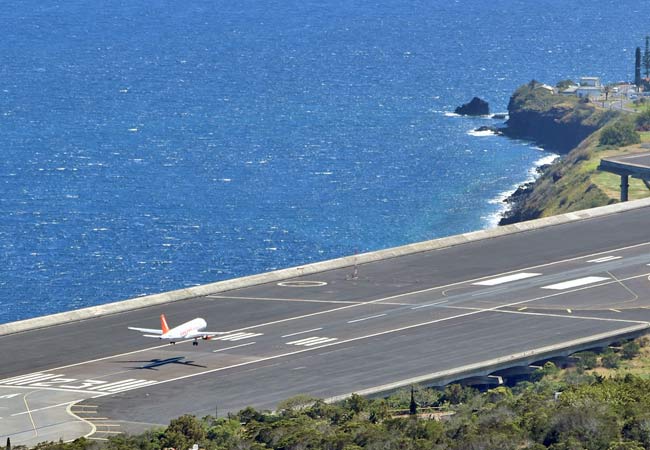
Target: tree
(586,360)
(413,407)
(643,121)
(619,134)
(637,67)
(646,57)
(630,350)
(562,85)
(625,445)
(610,360)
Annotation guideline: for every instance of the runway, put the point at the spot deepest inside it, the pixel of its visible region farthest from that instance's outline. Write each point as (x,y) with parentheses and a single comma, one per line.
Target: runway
(331,333)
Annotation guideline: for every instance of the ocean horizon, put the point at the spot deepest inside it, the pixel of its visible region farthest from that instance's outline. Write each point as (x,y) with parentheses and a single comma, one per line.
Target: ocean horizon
(151,147)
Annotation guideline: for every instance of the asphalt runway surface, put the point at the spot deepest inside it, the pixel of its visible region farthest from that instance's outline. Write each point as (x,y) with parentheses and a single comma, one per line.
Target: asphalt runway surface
(330,334)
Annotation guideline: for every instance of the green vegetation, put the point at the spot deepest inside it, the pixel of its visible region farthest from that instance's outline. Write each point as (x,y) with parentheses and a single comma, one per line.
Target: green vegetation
(574,182)
(621,133)
(599,404)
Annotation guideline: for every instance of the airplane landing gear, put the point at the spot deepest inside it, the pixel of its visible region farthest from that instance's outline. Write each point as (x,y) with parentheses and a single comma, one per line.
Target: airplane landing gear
(195,342)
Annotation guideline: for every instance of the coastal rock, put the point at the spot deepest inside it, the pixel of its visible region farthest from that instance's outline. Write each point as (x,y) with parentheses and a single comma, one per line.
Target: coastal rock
(553,121)
(476,107)
(500,116)
(483,128)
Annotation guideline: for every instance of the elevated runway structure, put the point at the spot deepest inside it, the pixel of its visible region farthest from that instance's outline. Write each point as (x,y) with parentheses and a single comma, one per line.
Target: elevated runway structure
(467,306)
(636,165)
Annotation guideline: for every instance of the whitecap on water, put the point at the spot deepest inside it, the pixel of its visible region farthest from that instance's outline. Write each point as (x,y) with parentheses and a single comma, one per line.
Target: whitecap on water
(481,133)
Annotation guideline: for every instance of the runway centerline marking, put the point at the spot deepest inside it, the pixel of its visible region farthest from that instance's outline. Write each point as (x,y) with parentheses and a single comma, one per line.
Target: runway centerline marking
(234,346)
(430,304)
(492,291)
(302,332)
(366,318)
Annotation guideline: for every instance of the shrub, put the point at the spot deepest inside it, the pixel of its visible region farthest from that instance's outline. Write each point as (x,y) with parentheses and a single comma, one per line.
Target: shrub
(619,134)
(586,360)
(610,360)
(630,350)
(643,121)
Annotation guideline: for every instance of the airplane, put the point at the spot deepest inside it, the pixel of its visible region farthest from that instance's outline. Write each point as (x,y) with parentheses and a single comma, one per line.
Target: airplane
(188,330)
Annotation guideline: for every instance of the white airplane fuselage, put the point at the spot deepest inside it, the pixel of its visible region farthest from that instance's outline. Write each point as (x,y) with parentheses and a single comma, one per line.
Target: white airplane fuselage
(185,330)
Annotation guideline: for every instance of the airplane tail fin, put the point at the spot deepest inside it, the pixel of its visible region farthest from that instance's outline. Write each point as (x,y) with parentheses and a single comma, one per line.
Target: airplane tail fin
(163,324)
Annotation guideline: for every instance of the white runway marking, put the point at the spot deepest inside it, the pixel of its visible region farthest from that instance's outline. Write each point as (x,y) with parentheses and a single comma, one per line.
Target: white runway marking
(574,283)
(308,342)
(366,303)
(237,336)
(270,299)
(604,259)
(430,304)
(366,318)
(506,279)
(302,332)
(235,346)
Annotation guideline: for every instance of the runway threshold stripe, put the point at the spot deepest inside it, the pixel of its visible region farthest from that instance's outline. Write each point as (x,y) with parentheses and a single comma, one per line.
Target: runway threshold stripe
(6,380)
(109,385)
(248,336)
(575,283)
(304,341)
(33,379)
(507,279)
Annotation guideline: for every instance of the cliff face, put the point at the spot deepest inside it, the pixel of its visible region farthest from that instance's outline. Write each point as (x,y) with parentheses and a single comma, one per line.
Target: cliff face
(565,125)
(556,122)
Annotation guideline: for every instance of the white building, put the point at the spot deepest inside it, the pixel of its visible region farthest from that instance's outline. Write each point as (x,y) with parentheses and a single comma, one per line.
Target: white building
(590,87)
(590,81)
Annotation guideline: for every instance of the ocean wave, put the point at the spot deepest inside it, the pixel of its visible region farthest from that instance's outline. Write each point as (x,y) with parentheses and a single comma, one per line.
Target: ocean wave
(481,133)
(492,219)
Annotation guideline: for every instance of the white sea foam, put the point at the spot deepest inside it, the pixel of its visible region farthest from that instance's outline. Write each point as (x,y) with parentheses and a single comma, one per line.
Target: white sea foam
(481,133)
(492,219)
(451,114)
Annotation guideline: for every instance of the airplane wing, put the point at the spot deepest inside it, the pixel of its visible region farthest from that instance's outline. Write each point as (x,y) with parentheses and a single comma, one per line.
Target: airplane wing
(205,334)
(147,330)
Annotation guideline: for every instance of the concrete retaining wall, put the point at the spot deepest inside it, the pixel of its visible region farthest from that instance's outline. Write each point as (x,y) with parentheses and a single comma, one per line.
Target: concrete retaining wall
(283,274)
(484,368)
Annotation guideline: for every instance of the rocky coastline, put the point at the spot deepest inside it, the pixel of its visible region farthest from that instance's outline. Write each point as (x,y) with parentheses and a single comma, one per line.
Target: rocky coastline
(557,124)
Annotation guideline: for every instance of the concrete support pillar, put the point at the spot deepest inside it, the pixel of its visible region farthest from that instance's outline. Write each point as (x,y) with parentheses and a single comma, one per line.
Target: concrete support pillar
(625,185)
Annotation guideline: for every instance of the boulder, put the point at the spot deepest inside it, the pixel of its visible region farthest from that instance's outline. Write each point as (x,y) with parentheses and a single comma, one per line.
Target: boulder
(476,107)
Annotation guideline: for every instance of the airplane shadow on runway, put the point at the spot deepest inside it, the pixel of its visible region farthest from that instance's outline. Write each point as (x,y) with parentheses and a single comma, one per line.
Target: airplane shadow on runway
(156,362)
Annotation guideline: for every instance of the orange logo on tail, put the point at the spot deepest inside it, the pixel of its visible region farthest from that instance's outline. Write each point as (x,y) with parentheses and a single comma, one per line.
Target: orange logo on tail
(163,324)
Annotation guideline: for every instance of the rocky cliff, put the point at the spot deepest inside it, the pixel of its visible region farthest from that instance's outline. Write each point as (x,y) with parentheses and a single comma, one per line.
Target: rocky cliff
(556,122)
(565,125)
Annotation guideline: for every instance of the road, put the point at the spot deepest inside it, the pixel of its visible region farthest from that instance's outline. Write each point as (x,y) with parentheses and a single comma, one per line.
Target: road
(331,334)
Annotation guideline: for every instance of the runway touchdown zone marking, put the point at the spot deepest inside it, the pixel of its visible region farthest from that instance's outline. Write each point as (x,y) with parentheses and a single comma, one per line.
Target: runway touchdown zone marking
(506,279)
(604,259)
(574,283)
(314,340)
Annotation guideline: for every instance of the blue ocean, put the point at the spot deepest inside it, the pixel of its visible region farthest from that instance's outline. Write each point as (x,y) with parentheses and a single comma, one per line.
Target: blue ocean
(150,146)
